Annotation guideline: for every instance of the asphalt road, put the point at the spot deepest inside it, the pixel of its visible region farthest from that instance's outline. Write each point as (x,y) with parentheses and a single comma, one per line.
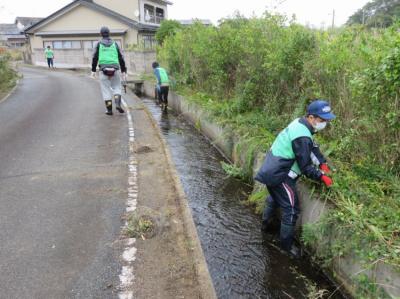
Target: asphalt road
(63,170)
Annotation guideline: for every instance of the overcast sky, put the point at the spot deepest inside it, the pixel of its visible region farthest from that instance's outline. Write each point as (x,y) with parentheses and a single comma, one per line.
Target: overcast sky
(312,12)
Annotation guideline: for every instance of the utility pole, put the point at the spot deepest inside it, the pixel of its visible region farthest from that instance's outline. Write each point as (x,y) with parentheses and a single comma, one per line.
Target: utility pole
(333,19)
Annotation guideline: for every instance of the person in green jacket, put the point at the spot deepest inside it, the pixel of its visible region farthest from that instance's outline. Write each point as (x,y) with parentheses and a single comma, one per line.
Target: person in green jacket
(294,153)
(49,55)
(162,84)
(108,57)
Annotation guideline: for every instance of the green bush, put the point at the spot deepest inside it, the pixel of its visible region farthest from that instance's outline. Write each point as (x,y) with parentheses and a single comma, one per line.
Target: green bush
(255,75)
(167,28)
(7,74)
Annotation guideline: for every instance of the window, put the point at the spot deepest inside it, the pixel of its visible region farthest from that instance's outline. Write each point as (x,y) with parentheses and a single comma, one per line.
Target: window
(63,44)
(57,44)
(149,41)
(153,14)
(149,15)
(87,44)
(159,15)
(67,44)
(76,44)
(91,44)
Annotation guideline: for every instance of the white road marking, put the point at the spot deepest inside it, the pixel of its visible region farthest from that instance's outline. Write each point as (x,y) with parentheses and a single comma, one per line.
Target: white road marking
(126,277)
(126,295)
(129,255)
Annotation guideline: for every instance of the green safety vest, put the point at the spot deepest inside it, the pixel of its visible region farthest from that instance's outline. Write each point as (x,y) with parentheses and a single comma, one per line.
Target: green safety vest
(108,55)
(282,146)
(49,53)
(163,76)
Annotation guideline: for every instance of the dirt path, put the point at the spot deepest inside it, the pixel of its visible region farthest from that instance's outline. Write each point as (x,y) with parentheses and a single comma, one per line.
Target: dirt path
(169,260)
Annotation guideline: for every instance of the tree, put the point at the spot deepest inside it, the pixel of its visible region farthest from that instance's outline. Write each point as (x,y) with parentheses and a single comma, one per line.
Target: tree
(377,13)
(167,28)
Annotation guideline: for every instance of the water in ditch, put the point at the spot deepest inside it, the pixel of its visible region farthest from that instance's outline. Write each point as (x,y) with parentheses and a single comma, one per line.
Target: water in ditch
(242,263)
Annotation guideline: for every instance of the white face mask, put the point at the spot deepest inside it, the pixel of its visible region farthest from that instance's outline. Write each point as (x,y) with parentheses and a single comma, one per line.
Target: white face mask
(320,126)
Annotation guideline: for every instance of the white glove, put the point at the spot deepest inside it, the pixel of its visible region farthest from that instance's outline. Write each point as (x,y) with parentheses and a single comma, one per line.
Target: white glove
(93,75)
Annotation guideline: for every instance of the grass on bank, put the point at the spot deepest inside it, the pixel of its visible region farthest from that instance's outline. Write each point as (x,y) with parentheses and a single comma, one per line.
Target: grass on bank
(7,74)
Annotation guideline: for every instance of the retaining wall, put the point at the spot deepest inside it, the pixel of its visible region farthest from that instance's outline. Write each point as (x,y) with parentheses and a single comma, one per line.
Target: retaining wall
(137,62)
(343,269)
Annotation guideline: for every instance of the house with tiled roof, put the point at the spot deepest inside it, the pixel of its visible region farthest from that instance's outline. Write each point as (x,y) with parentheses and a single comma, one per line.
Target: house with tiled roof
(25,22)
(73,30)
(12,35)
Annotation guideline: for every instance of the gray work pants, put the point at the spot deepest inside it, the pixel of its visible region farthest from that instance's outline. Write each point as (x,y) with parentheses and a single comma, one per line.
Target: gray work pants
(110,86)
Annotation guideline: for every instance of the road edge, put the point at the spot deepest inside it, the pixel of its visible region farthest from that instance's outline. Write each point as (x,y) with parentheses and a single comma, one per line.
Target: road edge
(11,91)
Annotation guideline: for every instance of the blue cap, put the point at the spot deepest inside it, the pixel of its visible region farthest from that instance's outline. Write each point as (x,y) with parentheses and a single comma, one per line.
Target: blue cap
(322,109)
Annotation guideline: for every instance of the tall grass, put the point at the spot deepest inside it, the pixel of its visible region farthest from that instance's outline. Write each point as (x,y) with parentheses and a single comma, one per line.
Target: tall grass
(255,75)
(7,74)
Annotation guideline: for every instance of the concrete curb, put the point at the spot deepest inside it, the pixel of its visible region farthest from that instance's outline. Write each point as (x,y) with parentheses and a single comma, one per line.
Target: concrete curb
(200,265)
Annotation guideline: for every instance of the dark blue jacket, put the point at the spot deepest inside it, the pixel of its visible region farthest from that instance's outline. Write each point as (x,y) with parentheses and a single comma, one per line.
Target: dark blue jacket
(275,169)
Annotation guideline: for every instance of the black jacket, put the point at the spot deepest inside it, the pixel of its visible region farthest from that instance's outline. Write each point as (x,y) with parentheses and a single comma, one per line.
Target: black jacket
(108,42)
(307,154)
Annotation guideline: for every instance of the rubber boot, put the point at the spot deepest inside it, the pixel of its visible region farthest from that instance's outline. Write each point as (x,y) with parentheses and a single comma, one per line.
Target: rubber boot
(268,215)
(109,107)
(287,236)
(117,99)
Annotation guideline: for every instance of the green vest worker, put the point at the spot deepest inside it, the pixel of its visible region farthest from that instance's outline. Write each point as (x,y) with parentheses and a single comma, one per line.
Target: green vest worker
(162,84)
(293,154)
(110,60)
(49,55)
(108,55)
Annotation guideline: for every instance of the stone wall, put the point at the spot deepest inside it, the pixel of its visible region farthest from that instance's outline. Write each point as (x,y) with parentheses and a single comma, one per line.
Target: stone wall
(138,62)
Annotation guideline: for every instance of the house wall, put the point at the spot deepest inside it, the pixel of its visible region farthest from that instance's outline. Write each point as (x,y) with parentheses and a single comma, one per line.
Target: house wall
(37,42)
(65,58)
(126,8)
(82,18)
(137,62)
(131,37)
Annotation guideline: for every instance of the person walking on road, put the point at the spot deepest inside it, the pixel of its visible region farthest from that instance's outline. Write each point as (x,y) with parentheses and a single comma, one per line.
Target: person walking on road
(111,63)
(294,153)
(49,55)
(162,84)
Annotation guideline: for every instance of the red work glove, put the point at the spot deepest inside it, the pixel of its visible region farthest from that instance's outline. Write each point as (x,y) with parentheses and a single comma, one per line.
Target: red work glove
(324,167)
(326,180)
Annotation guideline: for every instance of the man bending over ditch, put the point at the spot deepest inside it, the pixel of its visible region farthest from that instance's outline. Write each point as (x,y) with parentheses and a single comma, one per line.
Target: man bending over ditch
(293,154)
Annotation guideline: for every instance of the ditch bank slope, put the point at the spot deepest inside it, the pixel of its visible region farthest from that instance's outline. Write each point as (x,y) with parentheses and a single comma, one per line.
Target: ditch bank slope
(345,270)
